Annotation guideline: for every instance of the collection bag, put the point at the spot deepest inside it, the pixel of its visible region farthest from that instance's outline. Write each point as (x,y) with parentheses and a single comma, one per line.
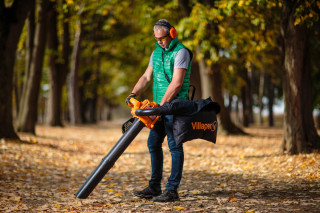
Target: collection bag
(198,121)
(192,119)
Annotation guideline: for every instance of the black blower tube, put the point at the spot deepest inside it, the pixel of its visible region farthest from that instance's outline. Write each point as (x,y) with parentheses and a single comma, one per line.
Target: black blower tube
(148,112)
(109,160)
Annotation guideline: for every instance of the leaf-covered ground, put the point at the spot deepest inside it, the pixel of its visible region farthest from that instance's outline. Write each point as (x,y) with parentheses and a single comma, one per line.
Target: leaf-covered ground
(238,174)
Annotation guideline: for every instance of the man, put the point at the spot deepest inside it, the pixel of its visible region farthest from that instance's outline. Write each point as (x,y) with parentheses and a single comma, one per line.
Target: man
(170,68)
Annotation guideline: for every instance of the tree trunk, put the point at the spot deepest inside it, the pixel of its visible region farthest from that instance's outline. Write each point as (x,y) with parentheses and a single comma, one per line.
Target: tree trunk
(57,70)
(318,119)
(11,23)
(270,100)
(229,107)
(238,117)
(29,105)
(31,28)
(250,86)
(205,78)
(16,92)
(300,135)
(109,112)
(224,116)
(245,98)
(261,92)
(29,49)
(211,86)
(92,105)
(195,80)
(245,111)
(74,95)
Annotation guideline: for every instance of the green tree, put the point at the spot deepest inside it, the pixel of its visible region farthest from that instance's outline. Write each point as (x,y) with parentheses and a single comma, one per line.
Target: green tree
(118,41)
(249,34)
(202,30)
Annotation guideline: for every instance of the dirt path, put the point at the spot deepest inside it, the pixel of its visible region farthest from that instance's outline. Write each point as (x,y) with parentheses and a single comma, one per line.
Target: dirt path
(238,174)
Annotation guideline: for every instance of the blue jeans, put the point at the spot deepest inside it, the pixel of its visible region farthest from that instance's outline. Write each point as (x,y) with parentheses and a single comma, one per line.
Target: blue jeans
(156,137)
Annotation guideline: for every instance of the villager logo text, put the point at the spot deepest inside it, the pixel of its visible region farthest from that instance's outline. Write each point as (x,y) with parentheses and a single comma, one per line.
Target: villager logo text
(204,126)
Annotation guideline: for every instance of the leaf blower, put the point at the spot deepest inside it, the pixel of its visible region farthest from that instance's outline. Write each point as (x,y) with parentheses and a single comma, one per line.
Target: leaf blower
(130,130)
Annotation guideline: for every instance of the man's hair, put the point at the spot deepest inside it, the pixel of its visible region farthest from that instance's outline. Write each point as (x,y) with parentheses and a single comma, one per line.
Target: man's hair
(162,24)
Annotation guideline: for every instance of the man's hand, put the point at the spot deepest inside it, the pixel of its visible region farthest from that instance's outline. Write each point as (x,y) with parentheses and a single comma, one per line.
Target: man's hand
(132,95)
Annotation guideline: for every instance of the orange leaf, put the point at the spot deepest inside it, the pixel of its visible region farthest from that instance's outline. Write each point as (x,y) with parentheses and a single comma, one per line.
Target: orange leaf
(232,199)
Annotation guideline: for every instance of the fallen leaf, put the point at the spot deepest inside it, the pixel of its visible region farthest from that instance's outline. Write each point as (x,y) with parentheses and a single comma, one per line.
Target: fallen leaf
(178,207)
(232,199)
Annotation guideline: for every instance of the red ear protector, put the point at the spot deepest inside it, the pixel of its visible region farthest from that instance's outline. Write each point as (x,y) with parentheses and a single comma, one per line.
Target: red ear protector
(172,30)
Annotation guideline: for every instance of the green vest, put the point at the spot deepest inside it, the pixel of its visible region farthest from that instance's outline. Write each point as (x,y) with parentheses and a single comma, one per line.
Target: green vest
(163,60)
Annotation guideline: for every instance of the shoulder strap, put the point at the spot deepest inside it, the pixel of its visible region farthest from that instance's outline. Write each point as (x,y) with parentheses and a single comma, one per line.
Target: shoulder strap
(167,77)
(165,74)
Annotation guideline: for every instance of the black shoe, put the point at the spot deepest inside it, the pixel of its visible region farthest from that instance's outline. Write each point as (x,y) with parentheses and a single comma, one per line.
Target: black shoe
(147,193)
(167,196)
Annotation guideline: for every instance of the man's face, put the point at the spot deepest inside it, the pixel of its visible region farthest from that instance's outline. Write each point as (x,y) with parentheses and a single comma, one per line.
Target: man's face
(163,38)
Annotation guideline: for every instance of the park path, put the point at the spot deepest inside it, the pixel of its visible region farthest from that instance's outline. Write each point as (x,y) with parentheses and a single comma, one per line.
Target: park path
(238,174)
